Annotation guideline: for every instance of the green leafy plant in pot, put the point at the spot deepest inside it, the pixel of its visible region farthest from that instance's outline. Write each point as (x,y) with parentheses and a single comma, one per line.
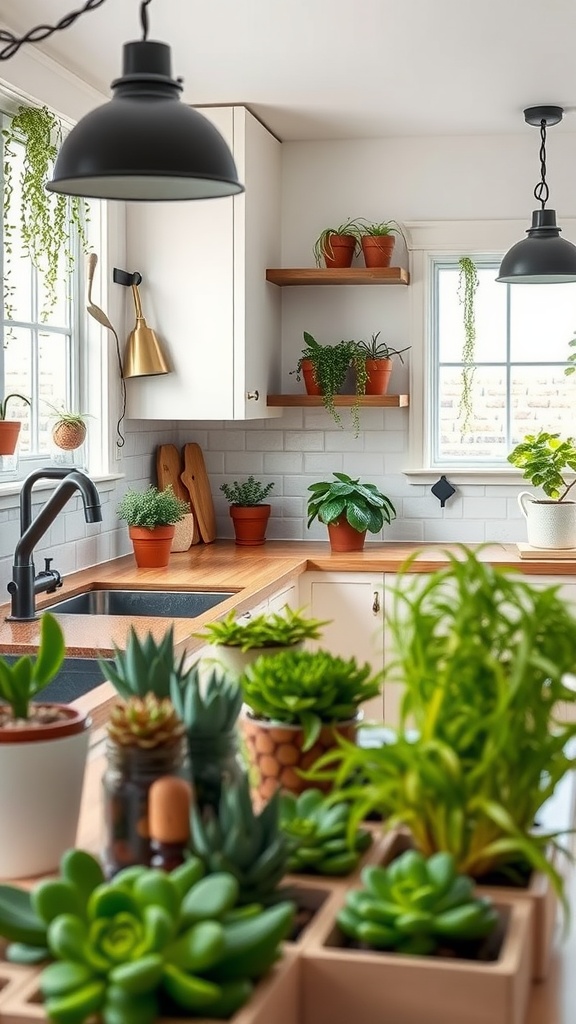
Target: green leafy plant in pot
(378,240)
(378,356)
(324,369)
(338,246)
(237,644)
(43,747)
(543,459)
(9,429)
(297,701)
(482,657)
(151,515)
(248,510)
(349,509)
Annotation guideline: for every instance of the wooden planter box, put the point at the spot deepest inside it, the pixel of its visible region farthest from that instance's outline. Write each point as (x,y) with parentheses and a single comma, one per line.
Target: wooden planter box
(342,985)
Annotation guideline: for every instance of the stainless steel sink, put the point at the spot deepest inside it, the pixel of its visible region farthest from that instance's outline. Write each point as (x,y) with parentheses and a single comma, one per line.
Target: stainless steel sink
(77,676)
(170,604)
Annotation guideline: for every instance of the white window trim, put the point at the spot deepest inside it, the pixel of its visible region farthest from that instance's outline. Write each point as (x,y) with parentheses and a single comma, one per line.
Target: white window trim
(426,240)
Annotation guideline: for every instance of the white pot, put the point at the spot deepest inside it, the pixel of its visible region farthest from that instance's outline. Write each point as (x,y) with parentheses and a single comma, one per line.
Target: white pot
(235,661)
(550,524)
(40,792)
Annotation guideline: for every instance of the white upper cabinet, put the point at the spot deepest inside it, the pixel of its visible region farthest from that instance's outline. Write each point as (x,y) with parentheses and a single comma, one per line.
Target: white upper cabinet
(204,288)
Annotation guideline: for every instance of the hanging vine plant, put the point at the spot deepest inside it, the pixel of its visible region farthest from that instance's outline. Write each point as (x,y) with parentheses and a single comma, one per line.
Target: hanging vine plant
(467,286)
(43,216)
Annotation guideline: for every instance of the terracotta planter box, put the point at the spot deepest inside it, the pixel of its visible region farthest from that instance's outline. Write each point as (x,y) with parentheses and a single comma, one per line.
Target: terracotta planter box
(275,999)
(342,985)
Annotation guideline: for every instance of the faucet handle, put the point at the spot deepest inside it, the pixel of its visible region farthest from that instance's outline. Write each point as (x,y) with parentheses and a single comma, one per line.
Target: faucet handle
(47,564)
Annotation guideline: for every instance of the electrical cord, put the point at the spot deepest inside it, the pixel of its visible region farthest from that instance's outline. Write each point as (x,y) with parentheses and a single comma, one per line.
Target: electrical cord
(41,32)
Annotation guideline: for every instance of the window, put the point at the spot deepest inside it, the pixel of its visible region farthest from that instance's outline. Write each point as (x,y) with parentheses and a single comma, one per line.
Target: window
(518,385)
(40,353)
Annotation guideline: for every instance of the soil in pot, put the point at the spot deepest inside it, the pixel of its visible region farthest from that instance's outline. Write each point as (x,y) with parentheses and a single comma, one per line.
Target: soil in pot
(377,250)
(152,547)
(344,537)
(308,903)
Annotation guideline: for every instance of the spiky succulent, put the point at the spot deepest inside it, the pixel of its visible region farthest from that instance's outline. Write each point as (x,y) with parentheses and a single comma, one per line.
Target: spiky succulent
(317,834)
(145,666)
(247,845)
(208,709)
(145,722)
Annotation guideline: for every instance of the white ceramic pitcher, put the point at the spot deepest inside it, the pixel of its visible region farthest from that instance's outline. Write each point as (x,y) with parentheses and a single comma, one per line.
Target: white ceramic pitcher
(550,524)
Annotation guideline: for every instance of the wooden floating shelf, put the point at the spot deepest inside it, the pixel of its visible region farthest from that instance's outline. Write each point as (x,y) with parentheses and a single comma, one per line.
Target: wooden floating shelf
(338,275)
(365,401)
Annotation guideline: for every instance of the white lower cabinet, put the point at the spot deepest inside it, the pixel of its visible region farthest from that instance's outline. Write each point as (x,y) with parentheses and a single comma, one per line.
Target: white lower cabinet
(353,604)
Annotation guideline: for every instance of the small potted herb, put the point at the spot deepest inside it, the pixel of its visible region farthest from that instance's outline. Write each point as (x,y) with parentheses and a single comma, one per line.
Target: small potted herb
(338,246)
(238,644)
(248,511)
(544,459)
(349,509)
(298,702)
(378,360)
(324,369)
(151,516)
(378,240)
(9,429)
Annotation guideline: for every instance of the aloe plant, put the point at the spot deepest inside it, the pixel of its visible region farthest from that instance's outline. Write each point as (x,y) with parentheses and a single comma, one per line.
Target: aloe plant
(145,666)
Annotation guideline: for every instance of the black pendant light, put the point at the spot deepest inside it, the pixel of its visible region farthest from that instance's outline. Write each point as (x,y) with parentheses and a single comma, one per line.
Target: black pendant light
(145,144)
(543,257)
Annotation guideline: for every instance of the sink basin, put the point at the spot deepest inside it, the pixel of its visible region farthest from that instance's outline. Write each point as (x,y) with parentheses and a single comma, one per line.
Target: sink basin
(77,676)
(171,604)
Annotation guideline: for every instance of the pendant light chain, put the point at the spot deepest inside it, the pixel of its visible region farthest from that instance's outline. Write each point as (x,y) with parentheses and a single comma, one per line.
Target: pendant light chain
(542,192)
(41,32)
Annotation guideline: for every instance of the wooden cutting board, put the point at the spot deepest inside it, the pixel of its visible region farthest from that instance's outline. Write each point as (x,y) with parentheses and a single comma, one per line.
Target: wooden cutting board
(526,551)
(168,470)
(195,478)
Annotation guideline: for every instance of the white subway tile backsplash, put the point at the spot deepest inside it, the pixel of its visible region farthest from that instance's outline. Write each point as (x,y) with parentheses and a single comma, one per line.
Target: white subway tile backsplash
(283,462)
(484,508)
(265,441)
(226,440)
(324,464)
(303,440)
(466,532)
(245,463)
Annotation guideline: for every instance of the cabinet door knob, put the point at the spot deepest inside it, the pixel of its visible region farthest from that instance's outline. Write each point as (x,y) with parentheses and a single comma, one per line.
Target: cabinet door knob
(253,394)
(376,603)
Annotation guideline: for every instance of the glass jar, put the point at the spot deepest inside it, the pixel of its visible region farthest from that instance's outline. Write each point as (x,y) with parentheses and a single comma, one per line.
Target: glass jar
(130,772)
(214,763)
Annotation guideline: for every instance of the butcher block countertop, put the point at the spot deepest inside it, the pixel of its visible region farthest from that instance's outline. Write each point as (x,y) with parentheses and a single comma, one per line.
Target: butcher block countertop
(254,574)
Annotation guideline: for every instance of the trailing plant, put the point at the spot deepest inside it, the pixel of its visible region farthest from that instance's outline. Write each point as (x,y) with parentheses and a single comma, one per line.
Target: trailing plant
(145,722)
(146,667)
(467,286)
(375,349)
(330,364)
(363,505)
(278,629)
(152,507)
(307,688)
(147,941)
(22,680)
(43,215)
(322,246)
(543,457)
(248,845)
(482,656)
(4,404)
(571,358)
(415,906)
(248,493)
(318,834)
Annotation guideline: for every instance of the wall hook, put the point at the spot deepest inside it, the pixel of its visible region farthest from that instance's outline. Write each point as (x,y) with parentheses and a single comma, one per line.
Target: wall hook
(443,490)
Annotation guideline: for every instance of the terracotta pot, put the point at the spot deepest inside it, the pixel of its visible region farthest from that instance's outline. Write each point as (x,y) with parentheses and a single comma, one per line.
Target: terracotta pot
(312,387)
(152,546)
(377,250)
(9,431)
(344,537)
(379,372)
(275,753)
(41,779)
(250,522)
(339,251)
(68,436)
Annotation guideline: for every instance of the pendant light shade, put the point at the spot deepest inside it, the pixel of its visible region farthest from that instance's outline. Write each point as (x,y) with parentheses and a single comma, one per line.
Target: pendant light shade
(543,257)
(145,144)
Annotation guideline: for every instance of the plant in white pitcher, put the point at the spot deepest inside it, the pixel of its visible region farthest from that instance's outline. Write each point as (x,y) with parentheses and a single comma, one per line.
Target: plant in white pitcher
(544,459)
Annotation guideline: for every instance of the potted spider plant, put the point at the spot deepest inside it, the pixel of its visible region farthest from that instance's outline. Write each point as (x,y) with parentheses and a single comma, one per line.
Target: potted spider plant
(43,748)
(350,509)
(324,369)
(238,644)
(378,361)
(338,246)
(544,459)
(378,240)
(248,510)
(69,429)
(9,429)
(151,516)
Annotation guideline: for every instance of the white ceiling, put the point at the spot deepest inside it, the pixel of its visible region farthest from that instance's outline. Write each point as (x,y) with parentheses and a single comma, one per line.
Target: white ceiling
(327,69)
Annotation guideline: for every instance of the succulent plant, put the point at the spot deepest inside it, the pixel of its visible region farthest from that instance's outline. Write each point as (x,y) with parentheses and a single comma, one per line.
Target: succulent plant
(278,629)
(149,943)
(247,845)
(145,666)
(317,834)
(416,905)
(145,722)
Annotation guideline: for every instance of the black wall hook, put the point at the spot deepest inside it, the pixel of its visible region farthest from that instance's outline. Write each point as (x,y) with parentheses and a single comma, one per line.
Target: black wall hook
(443,490)
(123,277)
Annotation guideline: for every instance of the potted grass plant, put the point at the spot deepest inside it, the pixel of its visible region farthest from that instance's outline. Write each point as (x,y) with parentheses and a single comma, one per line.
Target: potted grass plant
(9,429)
(43,749)
(238,644)
(482,657)
(248,509)
(378,240)
(324,368)
(349,509)
(378,356)
(544,459)
(338,246)
(151,516)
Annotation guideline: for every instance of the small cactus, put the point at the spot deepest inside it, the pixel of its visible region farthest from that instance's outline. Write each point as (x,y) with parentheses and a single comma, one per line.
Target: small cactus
(145,722)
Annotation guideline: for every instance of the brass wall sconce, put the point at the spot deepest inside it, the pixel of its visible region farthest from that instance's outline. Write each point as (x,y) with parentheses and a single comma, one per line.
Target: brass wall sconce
(143,355)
